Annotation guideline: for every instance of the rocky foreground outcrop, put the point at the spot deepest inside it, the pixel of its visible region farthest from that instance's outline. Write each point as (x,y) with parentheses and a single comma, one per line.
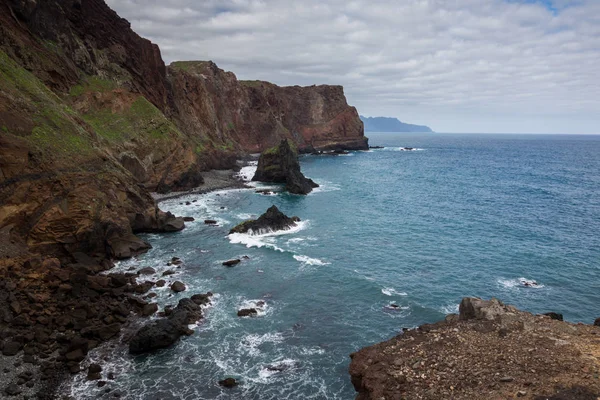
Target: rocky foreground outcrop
(280,164)
(272,220)
(488,351)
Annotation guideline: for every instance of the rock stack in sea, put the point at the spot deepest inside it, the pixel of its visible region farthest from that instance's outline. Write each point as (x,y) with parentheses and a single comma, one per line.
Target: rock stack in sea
(280,165)
(272,220)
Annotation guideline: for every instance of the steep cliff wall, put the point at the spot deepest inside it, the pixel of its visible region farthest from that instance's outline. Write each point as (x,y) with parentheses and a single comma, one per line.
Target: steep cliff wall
(255,115)
(91,120)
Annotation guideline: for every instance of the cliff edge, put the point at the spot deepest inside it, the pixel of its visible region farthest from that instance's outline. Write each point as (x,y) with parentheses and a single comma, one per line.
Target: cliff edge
(92,120)
(488,351)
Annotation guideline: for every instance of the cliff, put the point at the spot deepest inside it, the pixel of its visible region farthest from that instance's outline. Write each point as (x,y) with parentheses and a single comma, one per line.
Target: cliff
(386,124)
(252,116)
(489,351)
(92,120)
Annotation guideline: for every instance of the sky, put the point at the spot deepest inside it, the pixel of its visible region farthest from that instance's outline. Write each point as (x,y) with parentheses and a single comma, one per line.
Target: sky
(498,66)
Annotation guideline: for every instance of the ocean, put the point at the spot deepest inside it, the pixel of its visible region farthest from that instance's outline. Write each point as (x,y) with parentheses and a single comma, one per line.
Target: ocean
(461,215)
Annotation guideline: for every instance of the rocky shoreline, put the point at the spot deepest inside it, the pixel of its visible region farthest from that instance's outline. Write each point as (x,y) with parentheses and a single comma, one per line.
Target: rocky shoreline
(488,351)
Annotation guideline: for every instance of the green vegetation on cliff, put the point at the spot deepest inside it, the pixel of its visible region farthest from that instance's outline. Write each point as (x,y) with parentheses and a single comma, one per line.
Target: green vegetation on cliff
(141,120)
(93,84)
(48,123)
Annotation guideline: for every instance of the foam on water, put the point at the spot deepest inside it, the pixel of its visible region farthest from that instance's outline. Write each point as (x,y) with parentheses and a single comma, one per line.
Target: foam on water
(309,261)
(392,292)
(260,305)
(266,239)
(251,342)
(325,187)
(449,309)
(398,149)
(246,173)
(520,283)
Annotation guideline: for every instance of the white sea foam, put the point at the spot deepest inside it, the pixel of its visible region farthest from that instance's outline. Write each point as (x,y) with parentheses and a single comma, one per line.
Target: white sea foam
(399,149)
(252,341)
(277,368)
(260,305)
(296,240)
(309,261)
(520,282)
(265,239)
(325,186)
(246,173)
(449,309)
(392,292)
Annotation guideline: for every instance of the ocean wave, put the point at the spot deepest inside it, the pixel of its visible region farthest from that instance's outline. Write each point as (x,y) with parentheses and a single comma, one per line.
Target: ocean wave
(392,292)
(449,309)
(246,173)
(252,341)
(325,186)
(309,261)
(265,239)
(260,305)
(399,149)
(520,282)
(277,367)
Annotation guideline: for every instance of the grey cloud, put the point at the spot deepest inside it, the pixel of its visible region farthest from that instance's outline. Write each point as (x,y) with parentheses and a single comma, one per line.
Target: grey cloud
(461,65)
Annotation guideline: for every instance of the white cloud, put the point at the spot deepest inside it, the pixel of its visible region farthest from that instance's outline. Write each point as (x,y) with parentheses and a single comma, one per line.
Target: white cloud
(460,65)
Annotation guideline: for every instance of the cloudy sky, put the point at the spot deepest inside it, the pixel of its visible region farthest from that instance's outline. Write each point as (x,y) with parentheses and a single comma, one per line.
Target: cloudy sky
(455,65)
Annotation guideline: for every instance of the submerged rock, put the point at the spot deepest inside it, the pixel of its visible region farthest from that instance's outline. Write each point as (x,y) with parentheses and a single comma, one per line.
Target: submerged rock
(272,220)
(280,165)
(231,263)
(228,382)
(247,312)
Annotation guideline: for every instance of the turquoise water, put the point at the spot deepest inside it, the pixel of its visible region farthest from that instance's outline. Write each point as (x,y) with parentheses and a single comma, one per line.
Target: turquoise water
(465,215)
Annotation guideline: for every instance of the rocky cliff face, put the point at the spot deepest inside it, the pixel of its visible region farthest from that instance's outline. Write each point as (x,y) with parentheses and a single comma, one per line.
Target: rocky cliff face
(253,115)
(91,120)
(489,351)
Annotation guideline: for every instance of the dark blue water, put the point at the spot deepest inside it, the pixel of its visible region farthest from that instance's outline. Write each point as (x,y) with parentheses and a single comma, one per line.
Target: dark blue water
(466,215)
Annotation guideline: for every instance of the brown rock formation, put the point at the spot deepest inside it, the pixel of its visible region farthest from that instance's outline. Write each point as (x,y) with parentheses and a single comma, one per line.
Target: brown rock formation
(256,115)
(280,165)
(489,351)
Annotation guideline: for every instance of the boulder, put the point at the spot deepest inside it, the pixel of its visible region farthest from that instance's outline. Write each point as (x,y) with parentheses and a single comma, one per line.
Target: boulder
(201,299)
(126,246)
(280,165)
(272,220)
(166,331)
(146,271)
(597,322)
(149,309)
(555,316)
(156,335)
(189,219)
(476,308)
(247,312)
(13,389)
(210,222)
(94,371)
(178,286)
(11,348)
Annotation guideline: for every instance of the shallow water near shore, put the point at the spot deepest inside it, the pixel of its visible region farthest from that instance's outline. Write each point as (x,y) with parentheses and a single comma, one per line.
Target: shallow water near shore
(464,215)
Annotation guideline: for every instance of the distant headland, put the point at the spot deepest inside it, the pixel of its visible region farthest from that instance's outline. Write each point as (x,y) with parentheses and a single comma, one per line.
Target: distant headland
(387,124)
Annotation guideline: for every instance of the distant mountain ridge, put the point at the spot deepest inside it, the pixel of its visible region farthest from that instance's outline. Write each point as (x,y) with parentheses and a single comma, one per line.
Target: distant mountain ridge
(387,124)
